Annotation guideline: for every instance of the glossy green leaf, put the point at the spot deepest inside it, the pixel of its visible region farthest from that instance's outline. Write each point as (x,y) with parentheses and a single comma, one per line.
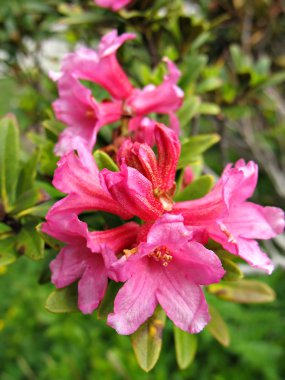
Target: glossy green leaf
(103,160)
(63,300)
(185,347)
(29,242)
(217,327)
(107,305)
(196,189)
(243,291)
(147,340)
(8,253)
(194,146)
(9,160)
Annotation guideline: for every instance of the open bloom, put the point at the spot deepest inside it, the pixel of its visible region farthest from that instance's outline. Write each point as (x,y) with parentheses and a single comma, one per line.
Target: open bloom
(84,116)
(115,5)
(87,256)
(166,269)
(232,221)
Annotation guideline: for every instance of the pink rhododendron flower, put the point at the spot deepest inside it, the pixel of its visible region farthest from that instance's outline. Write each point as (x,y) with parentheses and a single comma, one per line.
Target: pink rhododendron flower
(115,5)
(231,220)
(77,108)
(145,184)
(87,257)
(84,116)
(166,269)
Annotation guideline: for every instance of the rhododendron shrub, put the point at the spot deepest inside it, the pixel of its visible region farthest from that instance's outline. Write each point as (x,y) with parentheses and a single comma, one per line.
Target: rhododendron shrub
(138,240)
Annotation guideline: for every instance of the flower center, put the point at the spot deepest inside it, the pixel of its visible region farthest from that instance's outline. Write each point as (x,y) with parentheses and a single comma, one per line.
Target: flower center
(161,253)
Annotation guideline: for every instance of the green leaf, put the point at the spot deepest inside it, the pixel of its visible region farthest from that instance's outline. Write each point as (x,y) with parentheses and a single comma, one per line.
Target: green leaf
(196,189)
(243,291)
(103,160)
(217,327)
(9,160)
(188,110)
(147,340)
(194,146)
(63,300)
(28,199)
(209,109)
(39,210)
(185,347)
(29,242)
(233,272)
(209,84)
(28,174)
(8,253)
(107,305)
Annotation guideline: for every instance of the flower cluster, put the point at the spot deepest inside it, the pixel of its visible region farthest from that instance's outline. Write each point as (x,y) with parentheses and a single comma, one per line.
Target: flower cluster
(159,250)
(84,116)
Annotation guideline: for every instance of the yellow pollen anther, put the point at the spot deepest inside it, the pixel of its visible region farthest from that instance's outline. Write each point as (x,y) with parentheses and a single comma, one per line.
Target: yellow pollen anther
(163,254)
(129,252)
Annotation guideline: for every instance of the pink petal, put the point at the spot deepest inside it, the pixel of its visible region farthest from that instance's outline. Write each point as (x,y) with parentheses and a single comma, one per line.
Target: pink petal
(252,254)
(115,5)
(103,67)
(79,177)
(133,192)
(69,265)
(164,98)
(252,221)
(168,146)
(92,285)
(183,302)
(135,302)
(117,239)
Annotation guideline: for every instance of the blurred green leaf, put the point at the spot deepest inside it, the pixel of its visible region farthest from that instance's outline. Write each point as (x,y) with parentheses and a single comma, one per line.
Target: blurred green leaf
(209,109)
(8,253)
(217,327)
(196,189)
(194,146)
(209,84)
(29,242)
(188,110)
(27,174)
(103,160)
(63,300)
(185,347)
(9,160)
(147,340)
(233,272)
(243,291)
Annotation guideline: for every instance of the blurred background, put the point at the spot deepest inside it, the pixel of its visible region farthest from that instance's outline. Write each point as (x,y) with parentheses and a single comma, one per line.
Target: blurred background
(232,57)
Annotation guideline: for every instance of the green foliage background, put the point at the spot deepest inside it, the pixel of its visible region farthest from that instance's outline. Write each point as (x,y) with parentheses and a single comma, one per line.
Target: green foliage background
(231,54)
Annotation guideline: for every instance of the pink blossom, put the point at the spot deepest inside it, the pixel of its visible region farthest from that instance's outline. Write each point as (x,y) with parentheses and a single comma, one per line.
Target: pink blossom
(77,108)
(78,176)
(84,116)
(87,257)
(102,66)
(232,221)
(166,269)
(145,184)
(115,5)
